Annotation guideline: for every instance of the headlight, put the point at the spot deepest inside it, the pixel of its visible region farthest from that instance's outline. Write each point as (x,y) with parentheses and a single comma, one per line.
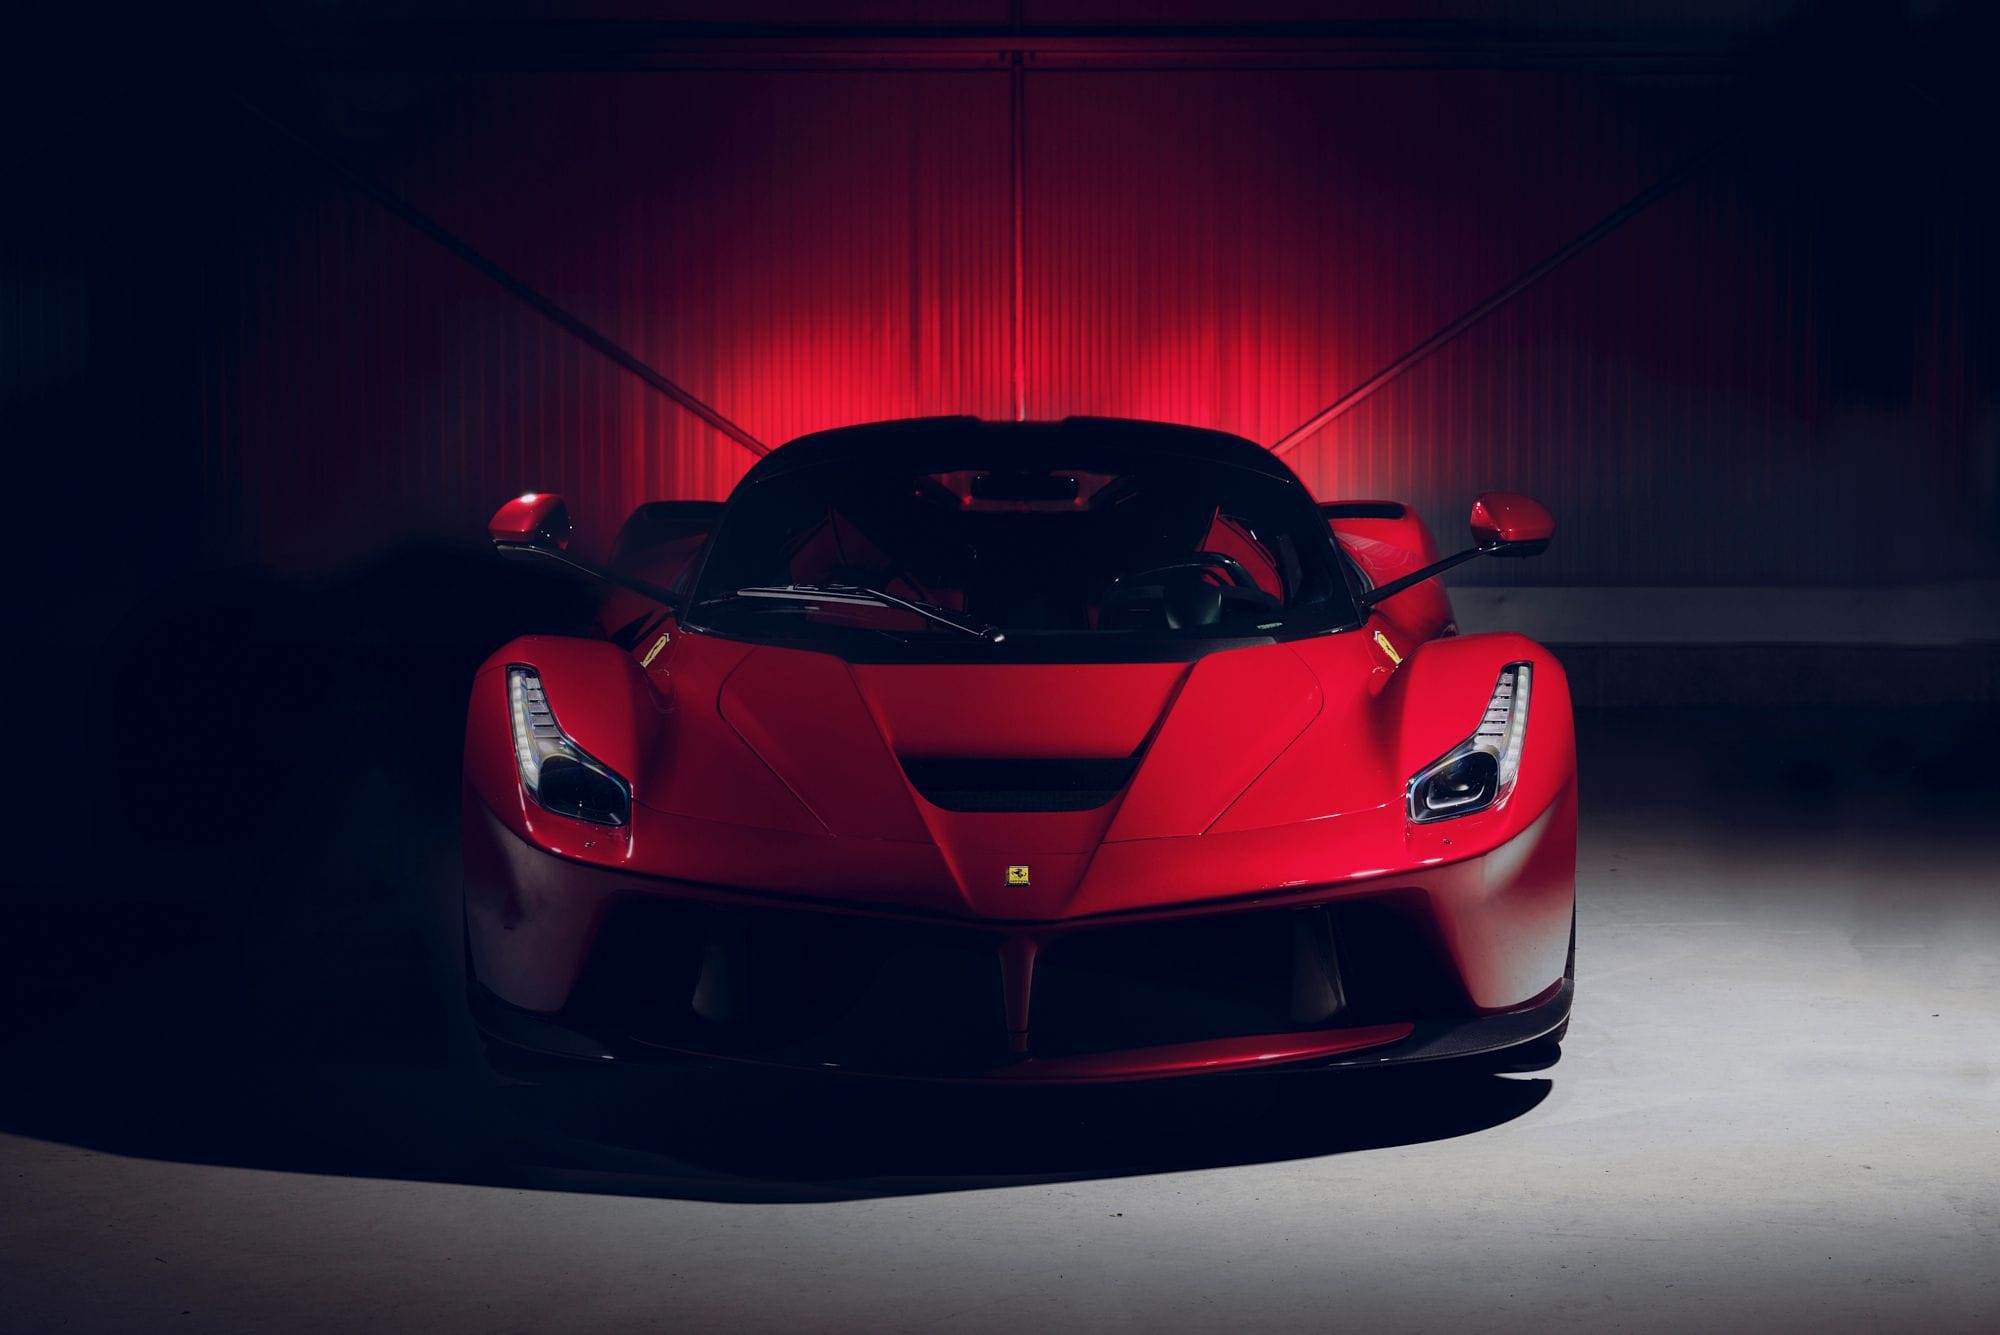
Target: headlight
(556,771)
(1480,770)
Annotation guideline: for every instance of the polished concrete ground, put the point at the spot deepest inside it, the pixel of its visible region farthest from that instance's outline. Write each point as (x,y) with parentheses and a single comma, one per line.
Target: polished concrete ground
(1779,1108)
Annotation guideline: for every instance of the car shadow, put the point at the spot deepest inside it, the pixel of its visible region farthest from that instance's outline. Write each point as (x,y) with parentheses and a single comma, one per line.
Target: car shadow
(740,1136)
(255,961)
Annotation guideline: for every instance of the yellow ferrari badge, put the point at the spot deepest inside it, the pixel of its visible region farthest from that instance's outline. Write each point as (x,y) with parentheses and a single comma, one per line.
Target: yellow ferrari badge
(1382,642)
(653,652)
(1017,876)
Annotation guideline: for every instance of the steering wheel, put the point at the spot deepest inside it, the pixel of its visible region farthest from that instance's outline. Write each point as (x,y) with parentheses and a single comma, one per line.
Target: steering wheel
(1228,565)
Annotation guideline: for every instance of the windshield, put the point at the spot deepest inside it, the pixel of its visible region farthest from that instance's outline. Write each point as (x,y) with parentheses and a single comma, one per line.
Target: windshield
(1070,551)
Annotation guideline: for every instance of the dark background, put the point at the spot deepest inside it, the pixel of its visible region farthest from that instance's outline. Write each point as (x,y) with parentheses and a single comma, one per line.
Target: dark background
(296,294)
(809,216)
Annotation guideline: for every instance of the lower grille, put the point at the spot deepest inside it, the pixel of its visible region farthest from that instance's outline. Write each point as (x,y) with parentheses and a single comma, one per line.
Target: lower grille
(803,988)
(808,988)
(1393,964)
(1181,981)
(1356,962)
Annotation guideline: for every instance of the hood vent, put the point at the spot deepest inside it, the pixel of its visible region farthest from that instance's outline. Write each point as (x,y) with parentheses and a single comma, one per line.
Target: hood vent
(1019,785)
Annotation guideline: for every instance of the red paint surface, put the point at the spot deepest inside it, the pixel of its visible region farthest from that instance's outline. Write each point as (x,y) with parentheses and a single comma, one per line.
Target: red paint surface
(1386,550)
(1079,710)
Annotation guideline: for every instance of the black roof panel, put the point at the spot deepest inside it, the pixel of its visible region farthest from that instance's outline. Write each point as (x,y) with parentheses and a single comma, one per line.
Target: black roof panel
(881,437)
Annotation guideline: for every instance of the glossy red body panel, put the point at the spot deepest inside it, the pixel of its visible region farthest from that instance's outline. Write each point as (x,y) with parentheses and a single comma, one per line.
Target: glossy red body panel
(803,716)
(1388,549)
(1383,546)
(1237,714)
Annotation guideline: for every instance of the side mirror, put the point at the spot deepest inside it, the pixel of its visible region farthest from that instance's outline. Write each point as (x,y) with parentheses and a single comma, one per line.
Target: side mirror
(537,519)
(536,527)
(1504,524)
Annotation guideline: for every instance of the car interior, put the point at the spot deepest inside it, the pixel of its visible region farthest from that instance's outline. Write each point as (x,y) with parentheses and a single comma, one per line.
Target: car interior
(1040,549)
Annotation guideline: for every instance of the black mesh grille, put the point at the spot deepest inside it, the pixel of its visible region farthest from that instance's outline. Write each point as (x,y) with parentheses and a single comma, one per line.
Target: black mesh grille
(1167,982)
(1229,975)
(798,987)
(1363,509)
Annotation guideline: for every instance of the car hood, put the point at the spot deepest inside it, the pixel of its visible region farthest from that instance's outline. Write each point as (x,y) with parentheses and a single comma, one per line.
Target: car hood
(808,746)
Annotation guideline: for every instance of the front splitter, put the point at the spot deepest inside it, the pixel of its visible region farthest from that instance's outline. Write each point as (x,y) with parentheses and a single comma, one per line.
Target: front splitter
(1360,1046)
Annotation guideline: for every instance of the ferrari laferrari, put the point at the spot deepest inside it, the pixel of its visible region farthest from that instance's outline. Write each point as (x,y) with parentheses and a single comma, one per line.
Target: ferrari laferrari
(1088,750)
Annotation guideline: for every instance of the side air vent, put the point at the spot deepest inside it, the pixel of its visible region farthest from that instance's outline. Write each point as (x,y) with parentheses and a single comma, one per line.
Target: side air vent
(1019,785)
(1363,509)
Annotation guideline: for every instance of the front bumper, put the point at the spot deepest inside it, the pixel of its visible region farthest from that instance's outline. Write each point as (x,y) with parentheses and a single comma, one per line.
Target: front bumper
(577,961)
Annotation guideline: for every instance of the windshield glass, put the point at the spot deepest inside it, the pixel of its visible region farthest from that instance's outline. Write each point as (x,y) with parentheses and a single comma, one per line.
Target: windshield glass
(1073,551)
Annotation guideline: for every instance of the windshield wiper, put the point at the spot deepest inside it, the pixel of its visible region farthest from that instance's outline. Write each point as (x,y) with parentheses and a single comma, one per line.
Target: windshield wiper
(858,596)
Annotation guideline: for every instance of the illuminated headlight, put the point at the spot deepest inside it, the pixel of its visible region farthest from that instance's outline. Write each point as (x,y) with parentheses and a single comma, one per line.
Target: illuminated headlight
(1480,770)
(556,771)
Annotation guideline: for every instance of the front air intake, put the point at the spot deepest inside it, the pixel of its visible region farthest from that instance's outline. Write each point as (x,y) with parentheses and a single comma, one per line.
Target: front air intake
(1019,785)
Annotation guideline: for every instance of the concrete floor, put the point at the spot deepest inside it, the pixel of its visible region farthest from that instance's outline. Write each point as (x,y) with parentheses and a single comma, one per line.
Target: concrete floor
(1779,1108)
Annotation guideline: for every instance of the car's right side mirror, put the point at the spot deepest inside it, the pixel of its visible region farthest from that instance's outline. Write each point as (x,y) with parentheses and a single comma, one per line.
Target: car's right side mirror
(1504,524)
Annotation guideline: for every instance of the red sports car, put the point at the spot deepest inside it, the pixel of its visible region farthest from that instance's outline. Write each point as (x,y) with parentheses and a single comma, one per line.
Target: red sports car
(1070,751)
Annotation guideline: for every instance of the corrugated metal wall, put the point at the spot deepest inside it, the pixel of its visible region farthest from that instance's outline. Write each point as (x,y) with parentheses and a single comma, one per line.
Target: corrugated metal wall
(1232,248)
(798,251)
(1770,377)
(1239,248)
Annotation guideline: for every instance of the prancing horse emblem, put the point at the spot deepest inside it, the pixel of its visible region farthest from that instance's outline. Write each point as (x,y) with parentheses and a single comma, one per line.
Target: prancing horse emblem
(1017,876)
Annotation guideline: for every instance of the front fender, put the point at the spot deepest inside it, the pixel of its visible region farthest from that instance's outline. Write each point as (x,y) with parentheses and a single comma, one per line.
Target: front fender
(1376,731)
(1437,699)
(604,703)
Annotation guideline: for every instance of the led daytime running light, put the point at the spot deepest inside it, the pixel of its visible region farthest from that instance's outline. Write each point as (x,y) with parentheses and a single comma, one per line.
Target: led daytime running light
(1481,771)
(557,772)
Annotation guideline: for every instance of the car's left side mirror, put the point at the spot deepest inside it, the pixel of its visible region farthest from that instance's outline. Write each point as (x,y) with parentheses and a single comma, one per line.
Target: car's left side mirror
(535,519)
(535,526)
(1504,524)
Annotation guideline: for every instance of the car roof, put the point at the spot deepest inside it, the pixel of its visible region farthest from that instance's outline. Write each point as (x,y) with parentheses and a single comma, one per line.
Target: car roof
(874,439)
